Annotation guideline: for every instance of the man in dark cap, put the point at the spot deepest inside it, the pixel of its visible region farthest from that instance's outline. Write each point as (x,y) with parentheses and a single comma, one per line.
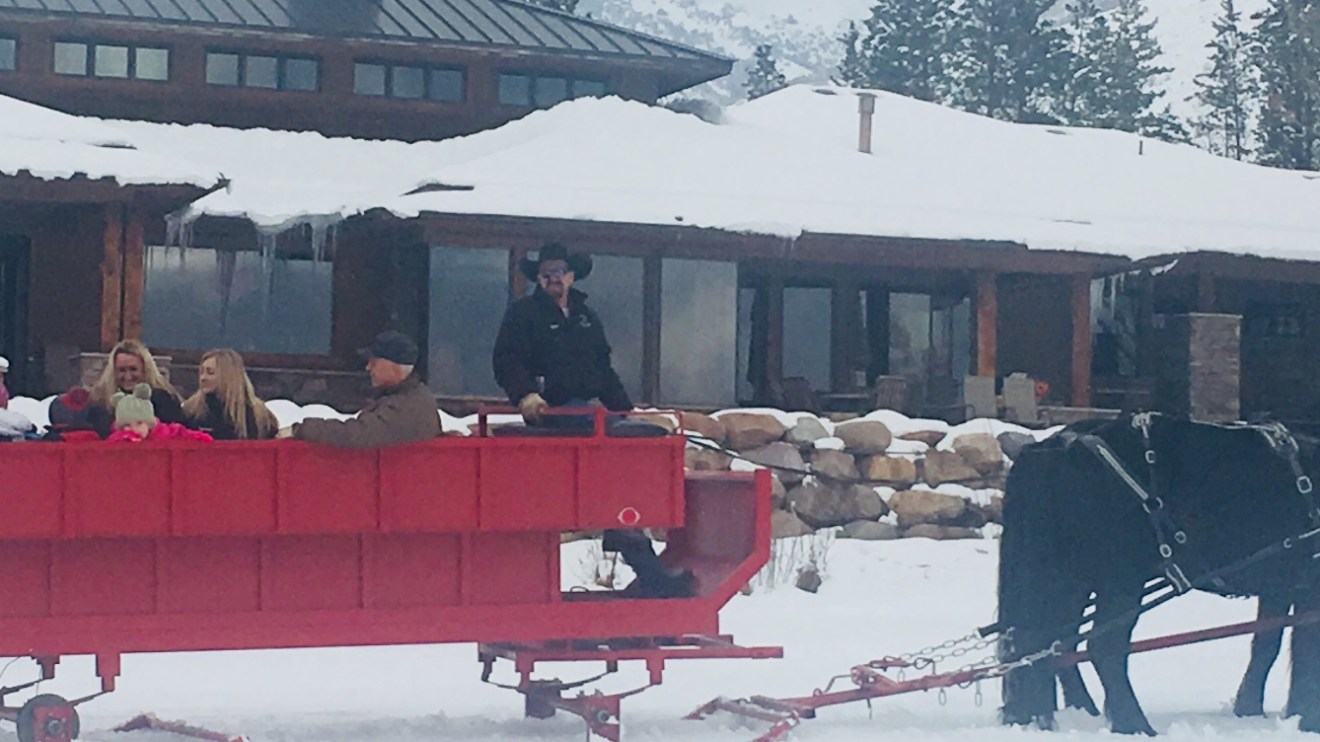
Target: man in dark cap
(552,351)
(401,410)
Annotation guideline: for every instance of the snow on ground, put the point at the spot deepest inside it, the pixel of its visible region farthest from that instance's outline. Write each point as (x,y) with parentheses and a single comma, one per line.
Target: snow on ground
(878,599)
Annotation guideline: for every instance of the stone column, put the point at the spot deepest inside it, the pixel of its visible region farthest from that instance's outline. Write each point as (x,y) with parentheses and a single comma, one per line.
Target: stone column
(1201,366)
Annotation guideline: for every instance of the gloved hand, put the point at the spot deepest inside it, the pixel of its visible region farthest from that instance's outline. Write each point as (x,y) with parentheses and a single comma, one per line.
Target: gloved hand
(531,408)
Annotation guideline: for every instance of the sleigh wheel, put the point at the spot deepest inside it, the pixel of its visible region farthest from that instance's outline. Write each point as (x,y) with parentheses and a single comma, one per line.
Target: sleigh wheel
(47,718)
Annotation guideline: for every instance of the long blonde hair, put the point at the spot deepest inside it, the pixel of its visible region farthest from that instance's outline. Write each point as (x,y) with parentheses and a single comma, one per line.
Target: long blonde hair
(106,386)
(237,397)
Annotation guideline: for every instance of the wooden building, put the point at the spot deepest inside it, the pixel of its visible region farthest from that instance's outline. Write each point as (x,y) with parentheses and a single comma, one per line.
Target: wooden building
(402,69)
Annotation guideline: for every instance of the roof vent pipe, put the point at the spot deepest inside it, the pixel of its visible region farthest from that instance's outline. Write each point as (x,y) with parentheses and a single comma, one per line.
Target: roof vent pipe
(866,108)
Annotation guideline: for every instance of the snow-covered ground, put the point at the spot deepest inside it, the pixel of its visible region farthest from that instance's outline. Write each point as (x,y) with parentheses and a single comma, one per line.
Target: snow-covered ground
(877,599)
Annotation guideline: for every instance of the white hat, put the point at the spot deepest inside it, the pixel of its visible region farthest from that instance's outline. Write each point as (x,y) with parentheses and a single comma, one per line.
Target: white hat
(4,363)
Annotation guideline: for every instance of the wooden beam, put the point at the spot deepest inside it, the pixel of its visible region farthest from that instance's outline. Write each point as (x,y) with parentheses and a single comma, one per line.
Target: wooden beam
(112,276)
(846,335)
(517,281)
(135,267)
(1081,341)
(987,331)
(652,285)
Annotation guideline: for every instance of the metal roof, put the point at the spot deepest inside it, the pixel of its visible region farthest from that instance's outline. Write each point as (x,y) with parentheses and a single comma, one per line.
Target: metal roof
(487,22)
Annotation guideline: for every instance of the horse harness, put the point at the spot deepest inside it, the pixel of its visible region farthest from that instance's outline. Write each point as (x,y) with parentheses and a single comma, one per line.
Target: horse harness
(1169,536)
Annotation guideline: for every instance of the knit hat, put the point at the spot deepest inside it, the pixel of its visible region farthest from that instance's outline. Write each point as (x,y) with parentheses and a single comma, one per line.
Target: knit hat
(70,408)
(135,407)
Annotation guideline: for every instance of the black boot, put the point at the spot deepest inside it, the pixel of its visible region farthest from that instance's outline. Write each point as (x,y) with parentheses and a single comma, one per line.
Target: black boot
(654,580)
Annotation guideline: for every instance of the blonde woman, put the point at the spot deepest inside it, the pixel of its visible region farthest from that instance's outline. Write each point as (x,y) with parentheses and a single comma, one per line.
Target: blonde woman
(128,364)
(225,403)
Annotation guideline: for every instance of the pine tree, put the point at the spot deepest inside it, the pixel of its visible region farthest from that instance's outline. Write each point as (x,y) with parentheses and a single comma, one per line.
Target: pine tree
(1112,81)
(764,77)
(904,48)
(1288,63)
(1227,88)
(568,6)
(850,71)
(1010,61)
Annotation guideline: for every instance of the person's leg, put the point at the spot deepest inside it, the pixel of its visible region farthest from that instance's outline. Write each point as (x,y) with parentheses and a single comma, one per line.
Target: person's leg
(654,579)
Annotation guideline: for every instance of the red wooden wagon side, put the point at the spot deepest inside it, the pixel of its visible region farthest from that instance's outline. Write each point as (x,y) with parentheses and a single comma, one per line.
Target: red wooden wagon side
(114,549)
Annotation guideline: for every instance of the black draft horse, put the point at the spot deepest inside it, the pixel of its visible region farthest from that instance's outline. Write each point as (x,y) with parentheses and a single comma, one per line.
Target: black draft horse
(1074,528)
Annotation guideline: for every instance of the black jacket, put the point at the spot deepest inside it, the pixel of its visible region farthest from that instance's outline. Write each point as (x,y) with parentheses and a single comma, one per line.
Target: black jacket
(571,353)
(167,406)
(219,426)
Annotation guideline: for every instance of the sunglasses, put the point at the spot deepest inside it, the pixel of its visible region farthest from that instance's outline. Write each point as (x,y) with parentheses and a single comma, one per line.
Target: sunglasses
(555,273)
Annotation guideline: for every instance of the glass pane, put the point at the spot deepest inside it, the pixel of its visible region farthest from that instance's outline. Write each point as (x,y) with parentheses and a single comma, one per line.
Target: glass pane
(111,61)
(469,292)
(408,82)
(369,79)
(261,72)
(588,89)
(807,335)
(447,85)
(222,69)
(199,298)
(8,54)
(698,332)
(748,377)
(301,74)
(551,90)
(515,90)
(615,286)
(70,58)
(909,344)
(151,64)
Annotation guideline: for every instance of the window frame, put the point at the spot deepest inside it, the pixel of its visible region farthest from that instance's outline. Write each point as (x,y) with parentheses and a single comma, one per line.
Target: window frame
(90,47)
(571,82)
(428,80)
(13,40)
(281,70)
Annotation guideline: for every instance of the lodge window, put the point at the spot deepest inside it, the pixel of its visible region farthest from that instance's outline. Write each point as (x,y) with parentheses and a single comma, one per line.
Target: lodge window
(263,71)
(113,61)
(469,290)
(517,89)
(8,53)
(1263,320)
(409,82)
(278,302)
(698,332)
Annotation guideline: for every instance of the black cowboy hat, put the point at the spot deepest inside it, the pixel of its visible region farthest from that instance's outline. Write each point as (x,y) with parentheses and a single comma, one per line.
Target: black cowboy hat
(579,263)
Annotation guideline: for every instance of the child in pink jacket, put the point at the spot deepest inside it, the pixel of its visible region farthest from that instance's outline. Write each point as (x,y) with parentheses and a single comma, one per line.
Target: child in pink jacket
(135,420)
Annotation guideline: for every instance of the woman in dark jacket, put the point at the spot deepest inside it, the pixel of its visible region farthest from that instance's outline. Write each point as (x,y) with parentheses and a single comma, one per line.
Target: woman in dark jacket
(225,404)
(128,364)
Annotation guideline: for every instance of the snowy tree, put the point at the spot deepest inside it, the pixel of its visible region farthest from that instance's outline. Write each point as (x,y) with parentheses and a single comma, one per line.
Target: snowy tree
(1009,60)
(1113,71)
(568,6)
(1226,90)
(903,49)
(850,70)
(764,77)
(1288,62)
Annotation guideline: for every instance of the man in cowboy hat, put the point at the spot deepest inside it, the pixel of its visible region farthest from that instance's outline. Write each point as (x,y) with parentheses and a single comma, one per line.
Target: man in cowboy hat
(552,351)
(401,410)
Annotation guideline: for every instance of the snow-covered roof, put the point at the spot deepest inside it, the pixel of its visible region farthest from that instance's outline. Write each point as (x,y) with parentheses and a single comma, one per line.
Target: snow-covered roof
(781,165)
(51,145)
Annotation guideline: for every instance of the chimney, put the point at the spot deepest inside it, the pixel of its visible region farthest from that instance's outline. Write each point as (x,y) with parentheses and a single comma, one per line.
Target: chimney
(866,108)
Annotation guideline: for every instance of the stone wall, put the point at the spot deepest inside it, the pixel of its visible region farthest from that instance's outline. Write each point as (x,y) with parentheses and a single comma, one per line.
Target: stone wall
(1200,367)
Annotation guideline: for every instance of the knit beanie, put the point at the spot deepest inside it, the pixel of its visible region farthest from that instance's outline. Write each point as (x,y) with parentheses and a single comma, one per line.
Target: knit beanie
(135,407)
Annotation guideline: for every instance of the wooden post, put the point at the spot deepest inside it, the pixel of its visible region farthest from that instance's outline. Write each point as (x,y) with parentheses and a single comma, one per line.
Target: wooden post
(774,342)
(845,335)
(112,276)
(651,319)
(517,281)
(1081,340)
(135,282)
(1205,292)
(987,318)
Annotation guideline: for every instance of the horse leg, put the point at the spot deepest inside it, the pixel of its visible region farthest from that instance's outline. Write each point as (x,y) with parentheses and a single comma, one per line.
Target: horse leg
(1116,616)
(1304,688)
(1075,693)
(1250,698)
